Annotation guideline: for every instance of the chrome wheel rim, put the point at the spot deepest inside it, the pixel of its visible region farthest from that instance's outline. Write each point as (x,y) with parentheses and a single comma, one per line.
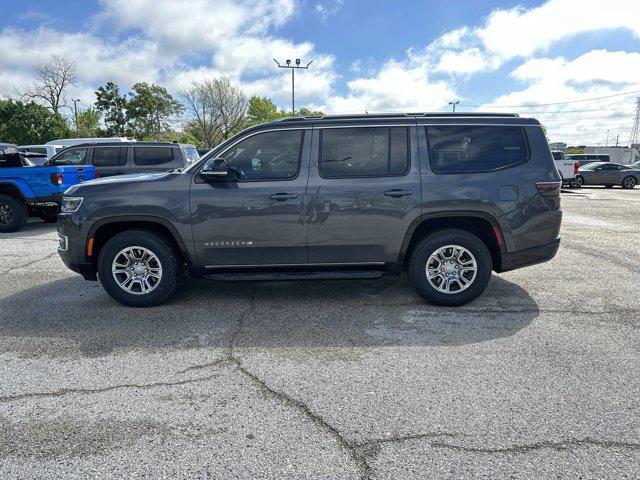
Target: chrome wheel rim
(451,269)
(629,182)
(6,214)
(136,270)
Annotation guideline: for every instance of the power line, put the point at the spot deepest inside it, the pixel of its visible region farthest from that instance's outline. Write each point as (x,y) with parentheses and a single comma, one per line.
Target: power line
(554,103)
(634,137)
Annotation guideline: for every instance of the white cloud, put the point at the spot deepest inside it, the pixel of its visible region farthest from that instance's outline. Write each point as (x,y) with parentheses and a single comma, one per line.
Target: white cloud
(598,73)
(328,8)
(520,33)
(397,86)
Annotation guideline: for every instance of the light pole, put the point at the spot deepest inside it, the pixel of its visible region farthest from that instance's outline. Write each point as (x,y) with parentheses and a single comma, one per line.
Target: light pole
(606,143)
(293,78)
(75,114)
(453,105)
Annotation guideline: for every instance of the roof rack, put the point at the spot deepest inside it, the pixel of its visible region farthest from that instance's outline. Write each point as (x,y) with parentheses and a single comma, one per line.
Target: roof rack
(397,115)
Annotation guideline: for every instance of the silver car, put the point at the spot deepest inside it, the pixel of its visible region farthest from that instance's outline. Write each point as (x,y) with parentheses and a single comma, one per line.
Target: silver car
(608,174)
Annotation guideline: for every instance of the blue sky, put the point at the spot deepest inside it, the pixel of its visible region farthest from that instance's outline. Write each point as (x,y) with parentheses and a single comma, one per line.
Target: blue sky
(368,55)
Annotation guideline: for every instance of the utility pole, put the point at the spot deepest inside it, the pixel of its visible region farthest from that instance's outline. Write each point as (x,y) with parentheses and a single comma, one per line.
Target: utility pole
(606,143)
(293,68)
(634,138)
(453,105)
(75,113)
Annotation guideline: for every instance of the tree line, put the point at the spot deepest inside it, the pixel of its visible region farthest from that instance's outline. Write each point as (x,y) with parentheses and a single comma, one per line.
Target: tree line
(204,114)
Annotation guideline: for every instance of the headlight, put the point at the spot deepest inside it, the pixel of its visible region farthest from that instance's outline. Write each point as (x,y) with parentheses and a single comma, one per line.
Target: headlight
(71,204)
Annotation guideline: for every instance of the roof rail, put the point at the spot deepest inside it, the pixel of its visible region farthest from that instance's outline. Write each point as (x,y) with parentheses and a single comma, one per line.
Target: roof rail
(396,115)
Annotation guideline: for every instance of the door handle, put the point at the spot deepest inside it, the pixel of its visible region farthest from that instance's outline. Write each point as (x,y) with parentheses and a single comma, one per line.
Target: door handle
(283,196)
(397,193)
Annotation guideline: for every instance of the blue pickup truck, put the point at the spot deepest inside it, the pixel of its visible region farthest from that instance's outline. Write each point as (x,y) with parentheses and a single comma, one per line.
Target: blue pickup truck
(33,190)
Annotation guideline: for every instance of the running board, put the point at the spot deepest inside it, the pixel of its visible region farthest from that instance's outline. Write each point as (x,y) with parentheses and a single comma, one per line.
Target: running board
(287,276)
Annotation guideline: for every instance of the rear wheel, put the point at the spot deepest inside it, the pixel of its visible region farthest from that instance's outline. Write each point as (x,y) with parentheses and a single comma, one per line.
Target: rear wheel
(138,268)
(578,181)
(49,215)
(450,267)
(629,182)
(13,214)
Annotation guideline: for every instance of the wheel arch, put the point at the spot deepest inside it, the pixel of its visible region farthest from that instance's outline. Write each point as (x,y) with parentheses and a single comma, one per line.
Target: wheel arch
(103,230)
(481,224)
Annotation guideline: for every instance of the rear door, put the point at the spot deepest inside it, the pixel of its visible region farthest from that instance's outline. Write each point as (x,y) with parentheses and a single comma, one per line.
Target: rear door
(155,158)
(110,160)
(363,193)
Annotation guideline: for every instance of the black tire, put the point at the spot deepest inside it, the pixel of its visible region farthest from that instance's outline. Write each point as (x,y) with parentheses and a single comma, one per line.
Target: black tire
(49,215)
(629,182)
(13,214)
(427,246)
(608,186)
(166,256)
(578,182)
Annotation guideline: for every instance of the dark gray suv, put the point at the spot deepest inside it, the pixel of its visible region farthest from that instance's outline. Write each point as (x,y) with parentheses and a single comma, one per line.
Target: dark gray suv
(448,198)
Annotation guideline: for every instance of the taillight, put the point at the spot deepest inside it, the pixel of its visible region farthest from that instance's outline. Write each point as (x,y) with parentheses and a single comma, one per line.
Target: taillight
(97,174)
(576,166)
(56,178)
(549,189)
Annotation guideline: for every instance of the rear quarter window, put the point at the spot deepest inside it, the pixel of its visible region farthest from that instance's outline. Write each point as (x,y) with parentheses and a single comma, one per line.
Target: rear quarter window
(152,155)
(473,149)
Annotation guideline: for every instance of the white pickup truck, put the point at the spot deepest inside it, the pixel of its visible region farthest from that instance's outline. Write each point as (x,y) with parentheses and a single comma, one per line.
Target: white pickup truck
(568,168)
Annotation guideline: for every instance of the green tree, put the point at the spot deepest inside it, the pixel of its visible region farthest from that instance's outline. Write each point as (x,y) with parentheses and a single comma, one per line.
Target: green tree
(305,112)
(112,107)
(217,109)
(88,123)
(25,123)
(262,110)
(150,109)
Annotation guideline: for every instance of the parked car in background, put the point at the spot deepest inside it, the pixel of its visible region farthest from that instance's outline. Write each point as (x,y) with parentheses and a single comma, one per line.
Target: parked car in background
(32,190)
(608,174)
(203,151)
(585,158)
(68,142)
(47,150)
(120,158)
(446,197)
(567,167)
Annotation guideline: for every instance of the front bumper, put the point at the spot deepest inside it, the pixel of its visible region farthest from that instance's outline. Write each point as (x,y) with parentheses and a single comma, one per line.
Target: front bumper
(529,256)
(71,248)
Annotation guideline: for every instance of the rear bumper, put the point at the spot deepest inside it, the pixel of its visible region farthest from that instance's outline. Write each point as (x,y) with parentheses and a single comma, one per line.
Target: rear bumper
(530,256)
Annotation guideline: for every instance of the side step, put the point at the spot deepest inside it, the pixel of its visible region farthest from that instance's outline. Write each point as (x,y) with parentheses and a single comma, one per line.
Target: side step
(288,276)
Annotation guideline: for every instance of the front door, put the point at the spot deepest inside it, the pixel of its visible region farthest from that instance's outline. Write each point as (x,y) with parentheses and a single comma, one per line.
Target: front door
(257,218)
(364,192)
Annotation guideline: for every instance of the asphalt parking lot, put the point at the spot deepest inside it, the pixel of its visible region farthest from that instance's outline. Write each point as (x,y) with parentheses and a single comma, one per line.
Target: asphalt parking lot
(539,378)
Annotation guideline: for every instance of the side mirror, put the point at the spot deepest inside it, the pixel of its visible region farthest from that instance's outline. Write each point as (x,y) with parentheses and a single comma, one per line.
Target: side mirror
(216,169)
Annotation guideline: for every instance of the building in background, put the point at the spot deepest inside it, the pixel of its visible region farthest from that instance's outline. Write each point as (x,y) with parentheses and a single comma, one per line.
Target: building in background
(558,145)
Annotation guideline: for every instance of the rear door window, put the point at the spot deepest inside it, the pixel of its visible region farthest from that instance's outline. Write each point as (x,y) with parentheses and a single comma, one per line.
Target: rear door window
(364,152)
(109,156)
(152,155)
(470,149)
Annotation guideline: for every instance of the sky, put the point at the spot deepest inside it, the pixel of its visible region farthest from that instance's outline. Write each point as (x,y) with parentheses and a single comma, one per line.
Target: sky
(368,55)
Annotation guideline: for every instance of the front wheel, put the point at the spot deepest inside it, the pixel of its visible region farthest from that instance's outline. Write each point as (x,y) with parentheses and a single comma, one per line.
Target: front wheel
(138,268)
(629,182)
(13,214)
(450,267)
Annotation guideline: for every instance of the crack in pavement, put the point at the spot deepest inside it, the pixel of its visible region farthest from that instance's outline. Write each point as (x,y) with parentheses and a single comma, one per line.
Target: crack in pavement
(73,391)
(28,264)
(599,255)
(526,448)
